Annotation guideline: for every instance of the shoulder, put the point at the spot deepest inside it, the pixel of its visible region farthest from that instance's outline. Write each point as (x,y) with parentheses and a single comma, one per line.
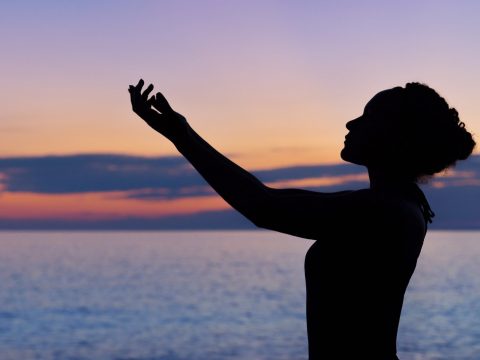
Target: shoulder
(368,205)
(398,212)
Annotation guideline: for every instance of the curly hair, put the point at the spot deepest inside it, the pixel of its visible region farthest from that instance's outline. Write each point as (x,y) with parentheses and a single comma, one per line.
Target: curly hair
(434,137)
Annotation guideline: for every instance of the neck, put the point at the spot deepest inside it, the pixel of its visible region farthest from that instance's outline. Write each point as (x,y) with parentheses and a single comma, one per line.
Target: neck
(382,179)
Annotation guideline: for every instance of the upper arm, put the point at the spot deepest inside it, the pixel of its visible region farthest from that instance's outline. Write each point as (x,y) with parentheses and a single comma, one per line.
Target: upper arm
(311,214)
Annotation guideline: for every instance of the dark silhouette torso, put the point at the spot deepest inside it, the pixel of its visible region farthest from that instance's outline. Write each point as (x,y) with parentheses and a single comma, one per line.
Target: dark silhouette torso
(356,277)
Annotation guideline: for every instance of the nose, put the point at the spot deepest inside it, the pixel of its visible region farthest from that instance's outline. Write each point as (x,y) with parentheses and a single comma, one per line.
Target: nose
(351,124)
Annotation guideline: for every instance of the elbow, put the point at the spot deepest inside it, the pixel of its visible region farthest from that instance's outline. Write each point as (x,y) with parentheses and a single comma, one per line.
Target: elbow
(259,223)
(261,217)
(258,210)
(254,216)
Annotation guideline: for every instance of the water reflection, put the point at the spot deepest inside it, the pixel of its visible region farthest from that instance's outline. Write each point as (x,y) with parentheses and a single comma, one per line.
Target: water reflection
(234,295)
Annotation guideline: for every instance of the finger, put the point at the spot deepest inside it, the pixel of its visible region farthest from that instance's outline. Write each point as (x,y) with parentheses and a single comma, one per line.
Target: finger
(139,86)
(147,92)
(161,103)
(134,94)
(135,97)
(151,100)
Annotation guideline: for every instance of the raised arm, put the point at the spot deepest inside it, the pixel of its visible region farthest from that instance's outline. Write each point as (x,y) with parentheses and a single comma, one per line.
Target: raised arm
(238,187)
(297,212)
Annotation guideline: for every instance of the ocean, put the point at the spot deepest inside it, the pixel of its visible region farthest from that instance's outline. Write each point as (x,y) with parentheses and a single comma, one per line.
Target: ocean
(207,295)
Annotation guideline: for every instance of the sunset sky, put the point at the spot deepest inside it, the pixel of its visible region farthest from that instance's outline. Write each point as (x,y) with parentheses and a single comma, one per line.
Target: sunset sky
(269,83)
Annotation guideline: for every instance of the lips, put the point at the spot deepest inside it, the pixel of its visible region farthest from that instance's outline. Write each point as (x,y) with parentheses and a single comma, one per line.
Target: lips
(349,140)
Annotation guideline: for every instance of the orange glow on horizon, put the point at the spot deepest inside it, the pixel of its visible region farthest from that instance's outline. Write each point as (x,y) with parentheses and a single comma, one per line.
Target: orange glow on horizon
(106,205)
(116,204)
(321,181)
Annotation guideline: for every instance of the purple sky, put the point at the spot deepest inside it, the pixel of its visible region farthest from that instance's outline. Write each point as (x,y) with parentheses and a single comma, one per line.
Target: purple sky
(271,81)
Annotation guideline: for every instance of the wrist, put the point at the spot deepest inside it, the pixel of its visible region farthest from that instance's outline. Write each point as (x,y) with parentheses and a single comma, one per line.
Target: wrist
(180,132)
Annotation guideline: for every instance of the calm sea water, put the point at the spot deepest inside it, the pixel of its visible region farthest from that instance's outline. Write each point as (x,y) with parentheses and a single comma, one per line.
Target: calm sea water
(207,296)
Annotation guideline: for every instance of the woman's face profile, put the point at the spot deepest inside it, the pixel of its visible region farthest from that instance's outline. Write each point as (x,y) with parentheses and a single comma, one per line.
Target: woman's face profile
(370,133)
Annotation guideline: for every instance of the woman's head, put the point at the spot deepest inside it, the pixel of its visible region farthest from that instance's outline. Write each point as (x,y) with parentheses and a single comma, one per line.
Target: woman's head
(408,131)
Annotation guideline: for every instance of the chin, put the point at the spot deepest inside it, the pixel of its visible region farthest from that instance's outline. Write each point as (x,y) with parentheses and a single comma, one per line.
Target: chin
(353,157)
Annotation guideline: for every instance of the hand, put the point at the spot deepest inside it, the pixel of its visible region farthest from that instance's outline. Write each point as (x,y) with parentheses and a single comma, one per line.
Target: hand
(166,121)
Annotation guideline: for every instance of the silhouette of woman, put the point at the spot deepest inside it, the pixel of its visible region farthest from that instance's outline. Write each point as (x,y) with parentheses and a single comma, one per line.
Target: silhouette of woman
(368,241)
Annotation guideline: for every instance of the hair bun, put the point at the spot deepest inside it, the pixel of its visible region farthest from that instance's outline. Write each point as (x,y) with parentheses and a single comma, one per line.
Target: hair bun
(437,138)
(465,143)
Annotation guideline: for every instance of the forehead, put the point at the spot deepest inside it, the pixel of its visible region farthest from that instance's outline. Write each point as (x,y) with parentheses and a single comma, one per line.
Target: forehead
(386,100)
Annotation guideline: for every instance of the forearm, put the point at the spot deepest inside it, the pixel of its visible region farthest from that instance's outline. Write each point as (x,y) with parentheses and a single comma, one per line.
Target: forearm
(236,186)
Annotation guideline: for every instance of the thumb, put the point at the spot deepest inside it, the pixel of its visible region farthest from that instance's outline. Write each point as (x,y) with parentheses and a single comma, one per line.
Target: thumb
(161,104)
